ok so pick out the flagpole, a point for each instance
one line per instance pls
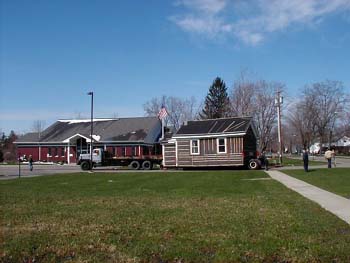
(162, 128)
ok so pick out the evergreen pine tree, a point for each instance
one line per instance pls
(217, 101)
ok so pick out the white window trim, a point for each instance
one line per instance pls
(217, 145)
(192, 153)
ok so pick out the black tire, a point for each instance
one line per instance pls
(135, 165)
(254, 164)
(85, 165)
(147, 165)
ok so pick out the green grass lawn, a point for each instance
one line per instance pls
(287, 161)
(215, 216)
(291, 161)
(335, 180)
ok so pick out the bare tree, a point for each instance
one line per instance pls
(242, 96)
(318, 113)
(256, 98)
(179, 110)
(329, 99)
(153, 106)
(302, 118)
(38, 127)
(265, 113)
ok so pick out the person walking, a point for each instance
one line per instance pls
(30, 161)
(264, 161)
(333, 157)
(328, 155)
(306, 160)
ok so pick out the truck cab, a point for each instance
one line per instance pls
(85, 159)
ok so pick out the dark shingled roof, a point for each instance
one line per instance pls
(140, 129)
(215, 126)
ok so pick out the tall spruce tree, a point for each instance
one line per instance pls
(217, 104)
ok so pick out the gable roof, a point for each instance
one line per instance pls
(138, 129)
(234, 125)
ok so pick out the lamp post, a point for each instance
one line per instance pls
(91, 93)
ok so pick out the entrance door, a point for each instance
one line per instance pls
(82, 147)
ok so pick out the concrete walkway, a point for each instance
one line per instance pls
(337, 205)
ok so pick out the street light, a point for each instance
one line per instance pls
(91, 93)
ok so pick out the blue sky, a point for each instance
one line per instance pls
(53, 52)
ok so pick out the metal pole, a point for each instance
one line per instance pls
(91, 126)
(19, 165)
(279, 102)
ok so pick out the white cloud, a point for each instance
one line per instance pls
(206, 6)
(252, 21)
(210, 26)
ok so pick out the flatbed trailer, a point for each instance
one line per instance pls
(102, 158)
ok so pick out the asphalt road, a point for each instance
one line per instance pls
(12, 171)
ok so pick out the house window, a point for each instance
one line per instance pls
(195, 147)
(113, 151)
(49, 151)
(62, 151)
(221, 145)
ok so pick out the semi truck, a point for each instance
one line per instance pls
(102, 158)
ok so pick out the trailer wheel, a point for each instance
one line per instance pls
(85, 165)
(147, 165)
(253, 164)
(135, 165)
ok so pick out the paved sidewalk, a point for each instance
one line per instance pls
(338, 205)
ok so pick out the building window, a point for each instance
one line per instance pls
(49, 151)
(62, 151)
(221, 145)
(123, 151)
(195, 147)
(113, 151)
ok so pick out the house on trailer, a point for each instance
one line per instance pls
(211, 143)
(65, 140)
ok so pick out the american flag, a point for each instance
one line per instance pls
(162, 113)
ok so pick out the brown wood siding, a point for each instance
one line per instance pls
(208, 146)
(208, 155)
(183, 152)
(235, 144)
(169, 155)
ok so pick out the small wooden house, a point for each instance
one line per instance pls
(211, 143)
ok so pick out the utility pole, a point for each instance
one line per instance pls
(278, 103)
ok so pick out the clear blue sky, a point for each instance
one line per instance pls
(53, 52)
